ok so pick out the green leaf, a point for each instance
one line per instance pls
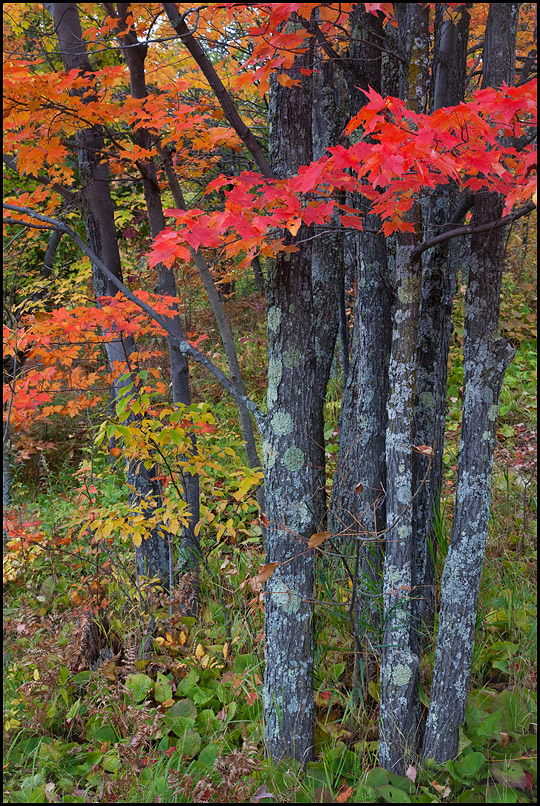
(139, 685)
(392, 794)
(467, 767)
(513, 712)
(183, 708)
(163, 688)
(209, 754)
(179, 724)
(499, 794)
(190, 743)
(510, 774)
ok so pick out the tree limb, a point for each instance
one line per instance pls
(470, 228)
(183, 345)
(227, 103)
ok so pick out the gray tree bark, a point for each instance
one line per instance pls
(327, 265)
(486, 358)
(400, 666)
(288, 452)
(439, 283)
(357, 510)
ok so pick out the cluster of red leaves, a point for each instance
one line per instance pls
(405, 154)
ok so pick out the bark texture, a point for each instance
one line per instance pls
(439, 283)
(400, 665)
(288, 453)
(486, 358)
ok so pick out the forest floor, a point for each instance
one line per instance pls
(184, 723)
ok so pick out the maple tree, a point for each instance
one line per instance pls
(365, 178)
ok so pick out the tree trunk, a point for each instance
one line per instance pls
(288, 452)
(153, 554)
(357, 508)
(439, 283)
(486, 358)
(327, 266)
(189, 549)
(400, 666)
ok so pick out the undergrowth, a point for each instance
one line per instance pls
(109, 701)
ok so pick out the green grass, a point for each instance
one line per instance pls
(138, 730)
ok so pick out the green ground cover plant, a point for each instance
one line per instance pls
(171, 710)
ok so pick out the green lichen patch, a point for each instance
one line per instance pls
(286, 598)
(408, 290)
(274, 318)
(293, 459)
(269, 455)
(401, 674)
(292, 357)
(275, 372)
(282, 423)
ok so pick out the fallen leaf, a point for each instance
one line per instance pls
(444, 791)
(411, 773)
(426, 450)
(344, 794)
(260, 794)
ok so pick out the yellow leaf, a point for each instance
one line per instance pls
(199, 652)
(137, 539)
(168, 703)
(225, 651)
(36, 674)
(205, 661)
(242, 490)
(182, 638)
(316, 539)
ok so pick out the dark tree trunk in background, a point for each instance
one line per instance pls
(98, 211)
(189, 549)
(439, 283)
(486, 358)
(357, 505)
(400, 666)
(327, 266)
(293, 504)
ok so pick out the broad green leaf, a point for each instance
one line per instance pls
(163, 688)
(139, 685)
